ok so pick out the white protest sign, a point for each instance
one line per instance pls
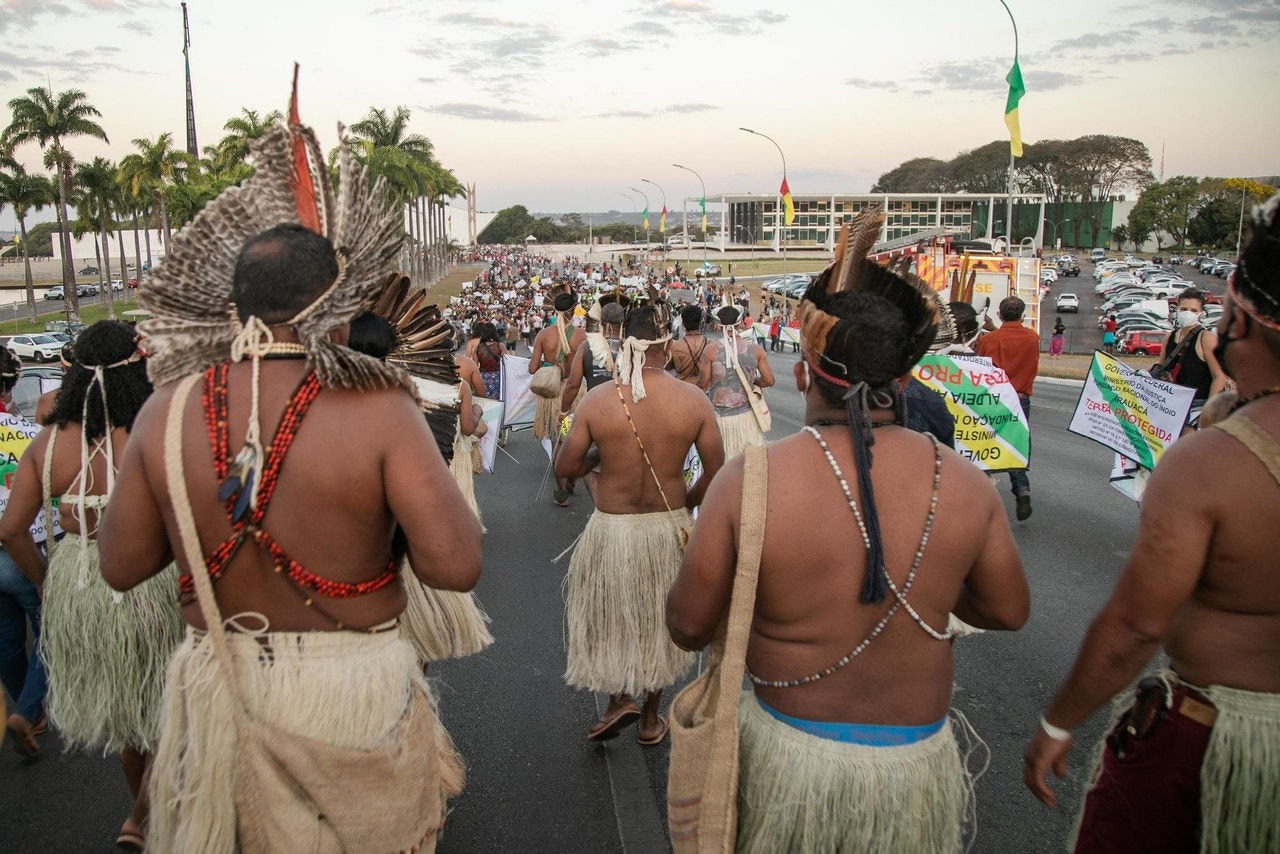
(16, 434)
(516, 396)
(1134, 415)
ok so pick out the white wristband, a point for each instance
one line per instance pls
(1057, 733)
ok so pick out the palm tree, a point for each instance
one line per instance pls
(27, 193)
(48, 120)
(406, 161)
(155, 167)
(244, 129)
(98, 183)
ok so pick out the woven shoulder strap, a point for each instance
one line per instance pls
(175, 476)
(1257, 440)
(733, 660)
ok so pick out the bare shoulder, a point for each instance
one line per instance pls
(1195, 462)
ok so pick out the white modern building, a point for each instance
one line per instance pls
(752, 219)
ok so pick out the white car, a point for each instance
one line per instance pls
(1048, 275)
(1067, 302)
(42, 348)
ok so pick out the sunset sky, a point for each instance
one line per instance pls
(561, 106)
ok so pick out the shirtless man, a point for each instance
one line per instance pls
(689, 354)
(594, 363)
(629, 552)
(1197, 768)
(389, 493)
(554, 346)
(828, 657)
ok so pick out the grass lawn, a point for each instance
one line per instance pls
(90, 312)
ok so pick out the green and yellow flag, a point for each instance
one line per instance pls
(646, 217)
(788, 205)
(1016, 91)
(703, 205)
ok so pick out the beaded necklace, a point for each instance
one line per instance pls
(1257, 395)
(899, 593)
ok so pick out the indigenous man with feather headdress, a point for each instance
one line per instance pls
(637, 430)
(1191, 763)
(845, 743)
(288, 485)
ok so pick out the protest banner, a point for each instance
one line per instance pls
(991, 430)
(492, 417)
(16, 434)
(517, 399)
(1133, 414)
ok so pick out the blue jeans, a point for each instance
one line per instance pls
(22, 673)
(1018, 479)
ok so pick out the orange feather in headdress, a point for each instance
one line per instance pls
(303, 183)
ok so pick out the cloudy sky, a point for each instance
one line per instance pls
(562, 106)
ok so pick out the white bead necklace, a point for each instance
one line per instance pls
(899, 593)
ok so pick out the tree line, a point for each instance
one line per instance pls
(514, 224)
(1087, 173)
(160, 187)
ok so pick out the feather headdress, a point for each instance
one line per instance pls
(194, 322)
(423, 349)
(825, 340)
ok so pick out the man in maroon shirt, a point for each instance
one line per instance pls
(1015, 349)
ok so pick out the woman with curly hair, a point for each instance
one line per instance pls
(105, 652)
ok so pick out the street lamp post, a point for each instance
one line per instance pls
(1057, 228)
(703, 210)
(628, 197)
(646, 224)
(780, 213)
(662, 223)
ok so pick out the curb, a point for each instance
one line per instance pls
(1061, 381)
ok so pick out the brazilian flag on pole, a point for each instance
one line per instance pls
(703, 205)
(1016, 91)
(646, 217)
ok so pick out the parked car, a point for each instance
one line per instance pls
(1148, 341)
(1097, 255)
(86, 290)
(1157, 259)
(117, 285)
(1048, 275)
(782, 284)
(34, 382)
(1067, 302)
(89, 271)
(55, 292)
(41, 348)
(706, 268)
(1175, 260)
(1068, 267)
(73, 328)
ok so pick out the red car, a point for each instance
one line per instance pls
(1149, 341)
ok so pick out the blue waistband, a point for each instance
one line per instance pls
(871, 735)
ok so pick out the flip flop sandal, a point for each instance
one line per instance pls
(655, 739)
(130, 838)
(621, 719)
(561, 497)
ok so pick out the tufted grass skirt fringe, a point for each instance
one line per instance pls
(738, 432)
(798, 792)
(615, 603)
(106, 652)
(463, 473)
(1240, 777)
(442, 624)
(345, 688)
(544, 416)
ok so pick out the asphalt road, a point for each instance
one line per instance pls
(535, 784)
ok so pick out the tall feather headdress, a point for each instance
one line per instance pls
(423, 349)
(194, 323)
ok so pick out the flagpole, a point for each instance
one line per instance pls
(781, 215)
(704, 211)
(646, 222)
(1008, 205)
(634, 239)
(662, 222)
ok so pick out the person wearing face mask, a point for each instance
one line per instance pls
(1188, 355)
(1191, 765)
